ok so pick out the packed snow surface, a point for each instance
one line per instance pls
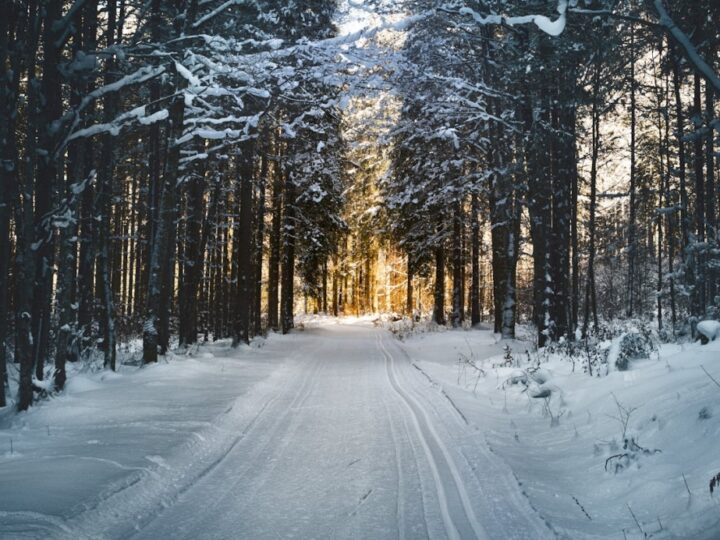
(343, 431)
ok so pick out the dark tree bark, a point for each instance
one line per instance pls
(4, 268)
(575, 263)
(66, 280)
(671, 218)
(275, 250)
(288, 257)
(324, 285)
(409, 288)
(194, 257)
(565, 164)
(539, 182)
(24, 214)
(335, 284)
(711, 221)
(438, 316)
(590, 290)
(680, 135)
(504, 235)
(662, 202)
(10, 23)
(699, 299)
(105, 176)
(458, 307)
(632, 225)
(475, 260)
(245, 285)
(160, 246)
(259, 245)
(46, 184)
(224, 271)
(87, 238)
(162, 257)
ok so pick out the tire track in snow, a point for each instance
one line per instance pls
(458, 516)
(24, 524)
(126, 511)
(400, 493)
(304, 391)
(513, 490)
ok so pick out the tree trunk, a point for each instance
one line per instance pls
(194, 256)
(9, 56)
(160, 245)
(632, 235)
(275, 250)
(87, 239)
(335, 284)
(260, 243)
(110, 106)
(575, 283)
(590, 292)
(699, 300)
(323, 300)
(439, 294)
(46, 185)
(475, 260)
(4, 268)
(409, 288)
(458, 311)
(565, 176)
(245, 283)
(710, 190)
(539, 185)
(287, 310)
(24, 222)
(162, 251)
(679, 116)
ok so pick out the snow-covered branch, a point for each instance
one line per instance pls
(690, 50)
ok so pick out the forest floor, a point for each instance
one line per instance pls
(340, 430)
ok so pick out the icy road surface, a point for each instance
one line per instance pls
(344, 439)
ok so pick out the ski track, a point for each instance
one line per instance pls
(124, 510)
(399, 506)
(505, 494)
(459, 519)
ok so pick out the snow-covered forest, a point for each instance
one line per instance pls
(518, 199)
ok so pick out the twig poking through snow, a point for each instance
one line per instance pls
(636, 520)
(581, 507)
(686, 485)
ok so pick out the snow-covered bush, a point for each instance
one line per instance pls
(615, 344)
(404, 327)
(533, 380)
(708, 331)
(631, 346)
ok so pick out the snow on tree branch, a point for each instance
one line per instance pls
(690, 50)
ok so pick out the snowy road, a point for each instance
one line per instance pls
(349, 439)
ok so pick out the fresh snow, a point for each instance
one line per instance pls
(340, 430)
(709, 329)
(561, 464)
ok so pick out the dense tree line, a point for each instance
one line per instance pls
(145, 145)
(182, 169)
(521, 123)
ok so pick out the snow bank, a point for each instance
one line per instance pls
(66, 455)
(627, 455)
